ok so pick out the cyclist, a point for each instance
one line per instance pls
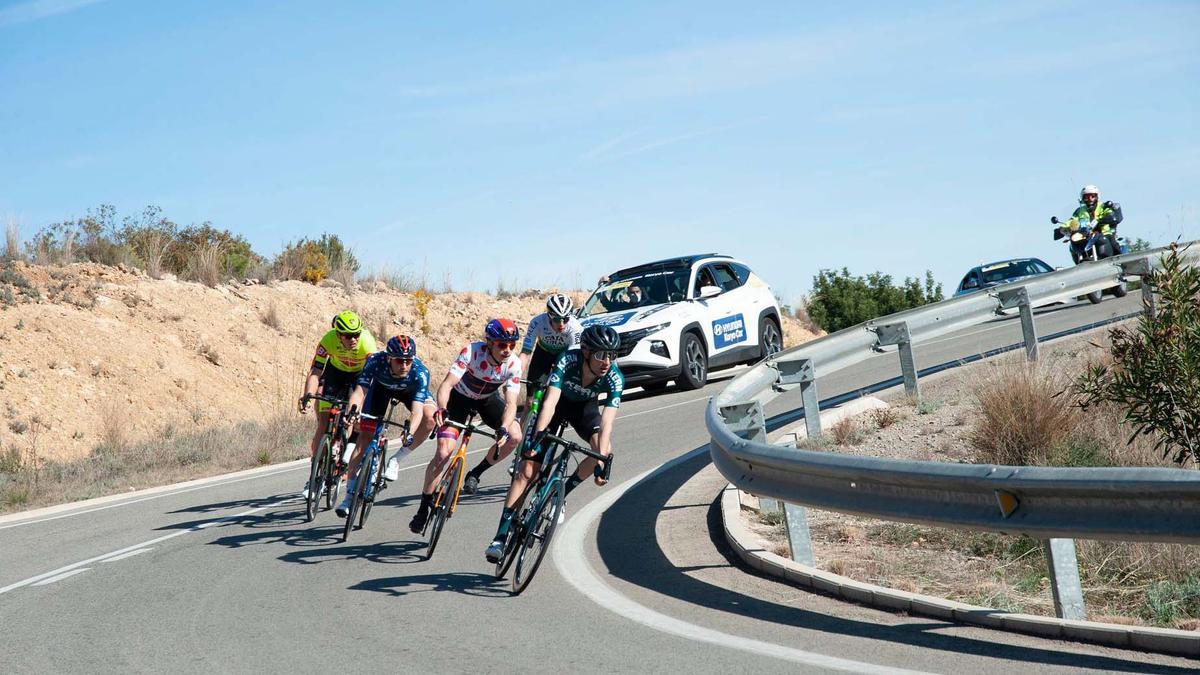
(1104, 216)
(340, 356)
(484, 379)
(576, 383)
(395, 373)
(549, 335)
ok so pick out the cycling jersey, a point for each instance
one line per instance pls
(377, 376)
(480, 377)
(541, 334)
(568, 377)
(330, 351)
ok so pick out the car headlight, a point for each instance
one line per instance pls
(635, 335)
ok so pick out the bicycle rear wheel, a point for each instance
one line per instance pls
(316, 480)
(536, 541)
(443, 498)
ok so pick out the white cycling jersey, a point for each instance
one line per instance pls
(479, 376)
(541, 333)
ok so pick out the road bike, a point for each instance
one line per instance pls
(449, 487)
(530, 419)
(529, 535)
(370, 480)
(327, 465)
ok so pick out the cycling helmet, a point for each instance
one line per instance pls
(402, 347)
(347, 322)
(1089, 190)
(599, 338)
(502, 329)
(559, 306)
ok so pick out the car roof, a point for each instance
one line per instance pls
(681, 261)
(1006, 262)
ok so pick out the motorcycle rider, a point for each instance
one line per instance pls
(1104, 216)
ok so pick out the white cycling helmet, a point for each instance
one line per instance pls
(559, 305)
(1089, 190)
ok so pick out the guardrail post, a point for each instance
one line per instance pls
(1064, 578)
(897, 334)
(1141, 269)
(1019, 297)
(804, 373)
(747, 421)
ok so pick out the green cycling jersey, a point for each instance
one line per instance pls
(330, 351)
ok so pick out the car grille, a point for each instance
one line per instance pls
(627, 345)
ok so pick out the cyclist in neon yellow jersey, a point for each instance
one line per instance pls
(340, 357)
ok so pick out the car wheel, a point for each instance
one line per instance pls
(693, 372)
(770, 340)
(1119, 290)
(1095, 297)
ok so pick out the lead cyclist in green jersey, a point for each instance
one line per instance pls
(578, 380)
(340, 356)
(549, 335)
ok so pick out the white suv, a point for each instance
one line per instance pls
(678, 318)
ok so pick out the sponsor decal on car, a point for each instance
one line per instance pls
(728, 331)
(608, 319)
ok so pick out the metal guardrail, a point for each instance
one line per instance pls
(1127, 504)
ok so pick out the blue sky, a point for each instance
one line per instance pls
(543, 143)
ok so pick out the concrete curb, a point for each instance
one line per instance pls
(86, 504)
(752, 550)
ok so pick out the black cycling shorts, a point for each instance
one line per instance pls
(583, 416)
(490, 409)
(336, 383)
(540, 365)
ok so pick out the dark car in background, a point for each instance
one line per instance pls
(1001, 272)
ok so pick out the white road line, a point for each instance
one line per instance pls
(128, 555)
(654, 410)
(60, 577)
(572, 563)
(112, 554)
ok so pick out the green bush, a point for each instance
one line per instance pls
(304, 260)
(336, 253)
(1154, 375)
(839, 300)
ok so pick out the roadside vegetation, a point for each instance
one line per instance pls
(119, 464)
(840, 300)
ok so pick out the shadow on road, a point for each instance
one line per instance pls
(629, 546)
(254, 503)
(468, 583)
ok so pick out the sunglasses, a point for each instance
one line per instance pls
(559, 319)
(504, 344)
(349, 336)
(400, 359)
(604, 355)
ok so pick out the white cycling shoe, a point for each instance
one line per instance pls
(392, 471)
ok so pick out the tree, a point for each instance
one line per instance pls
(839, 300)
(1155, 371)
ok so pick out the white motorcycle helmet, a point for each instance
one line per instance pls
(1089, 190)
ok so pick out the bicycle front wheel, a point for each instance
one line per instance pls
(443, 499)
(536, 541)
(316, 480)
(356, 498)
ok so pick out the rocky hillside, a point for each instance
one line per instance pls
(89, 351)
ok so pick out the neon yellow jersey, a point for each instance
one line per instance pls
(330, 351)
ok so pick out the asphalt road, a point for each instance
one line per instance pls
(228, 577)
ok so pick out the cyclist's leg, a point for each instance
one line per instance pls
(491, 411)
(421, 421)
(373, 406)
(585, 419)
(458, 409)
(528, 470)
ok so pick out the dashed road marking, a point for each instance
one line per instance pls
(60, 577)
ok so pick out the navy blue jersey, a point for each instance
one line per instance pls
(377, 374)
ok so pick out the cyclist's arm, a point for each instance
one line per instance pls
(313, 380)
(549, 403)
(444, 389)
(606, 425)
(511, 398)
(357, 396)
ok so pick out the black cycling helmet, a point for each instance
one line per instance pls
(402, 347)
(599, 338)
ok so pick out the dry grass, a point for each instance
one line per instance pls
(12, 241)
(847, 431)
(118, 465)
(885, 417)
(206, 263)
(270, 317)
(1023, 419)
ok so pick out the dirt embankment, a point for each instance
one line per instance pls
(101, 345)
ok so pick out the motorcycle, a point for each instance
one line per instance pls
(1086, 243)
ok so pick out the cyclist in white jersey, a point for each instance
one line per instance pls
(485, 379)
(549, 335)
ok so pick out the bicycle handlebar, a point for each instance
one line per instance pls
(469, 428)
(400, 425)
(340, 402)
(583, 449)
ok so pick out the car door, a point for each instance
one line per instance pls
(728, 326)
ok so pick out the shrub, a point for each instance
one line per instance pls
(303, 260)
(839, 300)
(846, 431)
(1154, 376)
(885, 417)
(1022, 418)
(12, 241)
(150, 237)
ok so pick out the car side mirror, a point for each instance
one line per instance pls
(1053, 220)
(709, 292)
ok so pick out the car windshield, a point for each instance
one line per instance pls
(1001, 272)
(638, 289)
